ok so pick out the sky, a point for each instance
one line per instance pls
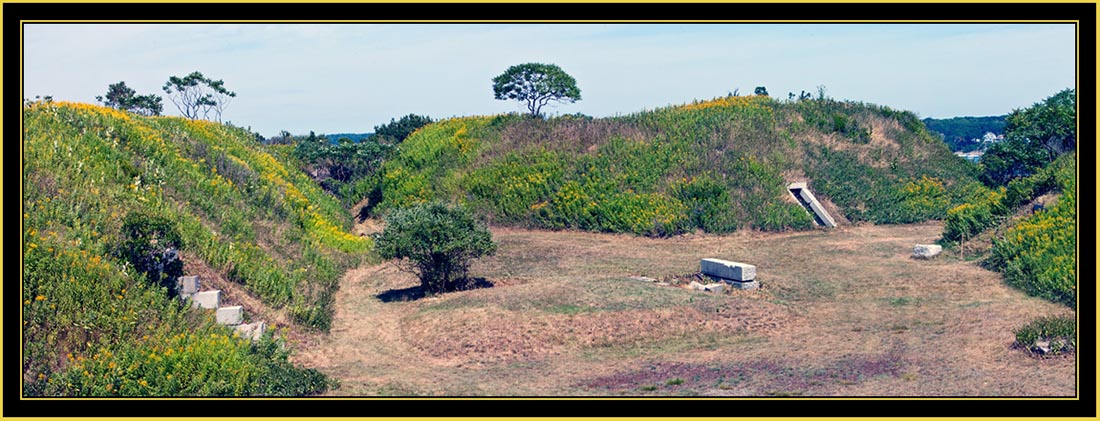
(349, 78)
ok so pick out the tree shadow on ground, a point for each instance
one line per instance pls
(417, 292)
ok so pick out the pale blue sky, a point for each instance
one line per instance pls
(333, 78)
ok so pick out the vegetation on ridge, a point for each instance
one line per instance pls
(715, 165)
(93, 325)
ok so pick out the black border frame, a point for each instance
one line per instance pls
(1083, 406)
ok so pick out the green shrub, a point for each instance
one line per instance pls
(515, 187)
(435, 241)
(1038, 255)
(708, 202)
(970, 219)
(920, 200)
(149, 243)
(1060, 332)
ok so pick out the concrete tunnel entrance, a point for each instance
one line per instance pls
(802, 194)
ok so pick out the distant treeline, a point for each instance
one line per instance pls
(958, 132)
(355, 137)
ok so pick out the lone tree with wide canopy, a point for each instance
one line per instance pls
(536, 84)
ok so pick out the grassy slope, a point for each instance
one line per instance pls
(90, 326)
(716, 165)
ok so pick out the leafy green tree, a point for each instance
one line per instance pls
(125, 98)
(196, 95)
(1050, 125)
(436, 242)
(536, 84)
(397, 131)
(1010, 159)
(1034, 136)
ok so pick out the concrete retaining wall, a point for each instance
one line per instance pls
(802, 193)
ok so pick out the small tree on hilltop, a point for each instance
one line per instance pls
(125, 98)
(760, 90)
(196, 95)
(397, 130)
(536, 84)
(436, 242)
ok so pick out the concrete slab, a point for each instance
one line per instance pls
(728, 270)
(233, 315)
(744, 285)
(209, 300)
(715, 288)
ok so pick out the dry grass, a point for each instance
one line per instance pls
(841, 312)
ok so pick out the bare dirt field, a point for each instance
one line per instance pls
(844, 312)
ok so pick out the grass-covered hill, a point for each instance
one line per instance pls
(97, 181)
(715, 165)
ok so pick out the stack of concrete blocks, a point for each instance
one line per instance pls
(188, 288)
(737, 275)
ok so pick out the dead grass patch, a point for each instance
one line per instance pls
(840, 312)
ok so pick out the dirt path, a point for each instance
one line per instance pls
(843, 312)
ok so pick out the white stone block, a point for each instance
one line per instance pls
(233, 315)
(726, 269)
(187, 285)
(715, 288)
(926, 251)
(252, 331)
(207, 299)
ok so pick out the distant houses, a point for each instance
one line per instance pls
(983, 144)
(990, 138)
(970, 156)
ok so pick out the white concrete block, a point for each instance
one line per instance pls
(207, 299)
(926, 251)
(252, 331)
(715, 288)
(728, 270)
(187, 285)
(233, 315)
